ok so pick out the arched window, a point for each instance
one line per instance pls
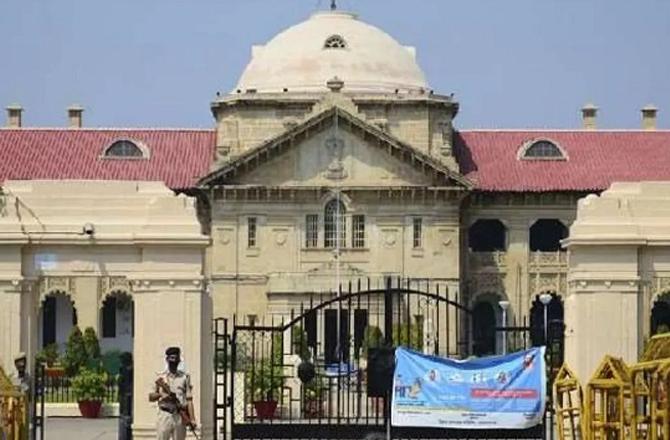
(335, 42)
(484, 329)
(487, 236)
(334, 225)
(542, 149)
(546, 235)
(124, 148)
(117, 322)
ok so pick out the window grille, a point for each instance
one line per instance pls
(251, 231)
(543, 150)
(335, 42)
(311, 230)
(358, 231)
(123, 148)
(417, 232)
(334, 225)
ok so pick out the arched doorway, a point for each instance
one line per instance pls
(57, 317)
(660, 314)
(117, 322)
(484, 328)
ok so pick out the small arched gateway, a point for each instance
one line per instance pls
(57, 316)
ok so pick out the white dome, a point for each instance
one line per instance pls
(298, 60)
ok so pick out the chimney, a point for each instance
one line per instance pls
(74, 113)
(589, 112)
(14, 116)
(649, 117)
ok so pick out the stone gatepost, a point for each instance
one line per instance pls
(619, 240)
(174, 312)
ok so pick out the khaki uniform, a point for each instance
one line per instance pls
(169, 425)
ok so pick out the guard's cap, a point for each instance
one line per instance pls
(20, 356)
(172, 350)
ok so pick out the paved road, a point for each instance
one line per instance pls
(61, 428)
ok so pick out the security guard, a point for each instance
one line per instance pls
(22, 383)
(172, 391)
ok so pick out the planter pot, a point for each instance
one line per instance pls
(90, 409)
(313, 408)
(265, 409)
(54, 371)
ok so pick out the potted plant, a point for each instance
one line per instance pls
(315, 390)
(265, 383)
(88, 387)
(49, 356)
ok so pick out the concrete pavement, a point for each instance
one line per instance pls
(62, 428)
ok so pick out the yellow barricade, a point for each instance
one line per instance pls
(13, 410)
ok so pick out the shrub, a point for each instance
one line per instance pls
(89, 385)
(409, 335)
(75, 352)
(91, 344)
(299, 343)
(372, 338)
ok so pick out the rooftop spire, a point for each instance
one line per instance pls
(333, 5)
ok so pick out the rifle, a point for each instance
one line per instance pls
(183, 410)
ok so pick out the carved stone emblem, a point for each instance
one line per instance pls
(335, 148)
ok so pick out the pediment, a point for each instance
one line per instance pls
(334, 148)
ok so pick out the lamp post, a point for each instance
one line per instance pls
(545, 299)
(504, 305)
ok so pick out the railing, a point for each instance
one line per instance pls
(488, 259)
(548, 259)
(58, 388)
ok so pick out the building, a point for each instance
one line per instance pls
(331, 160)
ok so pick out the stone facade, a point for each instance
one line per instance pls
(134, 237)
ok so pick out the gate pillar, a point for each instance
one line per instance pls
(172, 313)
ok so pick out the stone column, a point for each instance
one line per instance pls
(172, 313)
(87, 304)
(11, 323)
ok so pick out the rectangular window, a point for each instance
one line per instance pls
(417, 232)
(251, 231)
(358, 231)
(360, 324)
(336, 348)
(109, 318)
(311, 230)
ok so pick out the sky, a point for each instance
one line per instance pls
(509, 63)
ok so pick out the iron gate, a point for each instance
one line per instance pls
(326, 341)
(37, 403)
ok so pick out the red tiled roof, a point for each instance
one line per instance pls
(595, 159)
(177, 157)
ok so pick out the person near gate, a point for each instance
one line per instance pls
(22, 383)
(172, 391)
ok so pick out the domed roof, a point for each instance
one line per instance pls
(334, 43)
